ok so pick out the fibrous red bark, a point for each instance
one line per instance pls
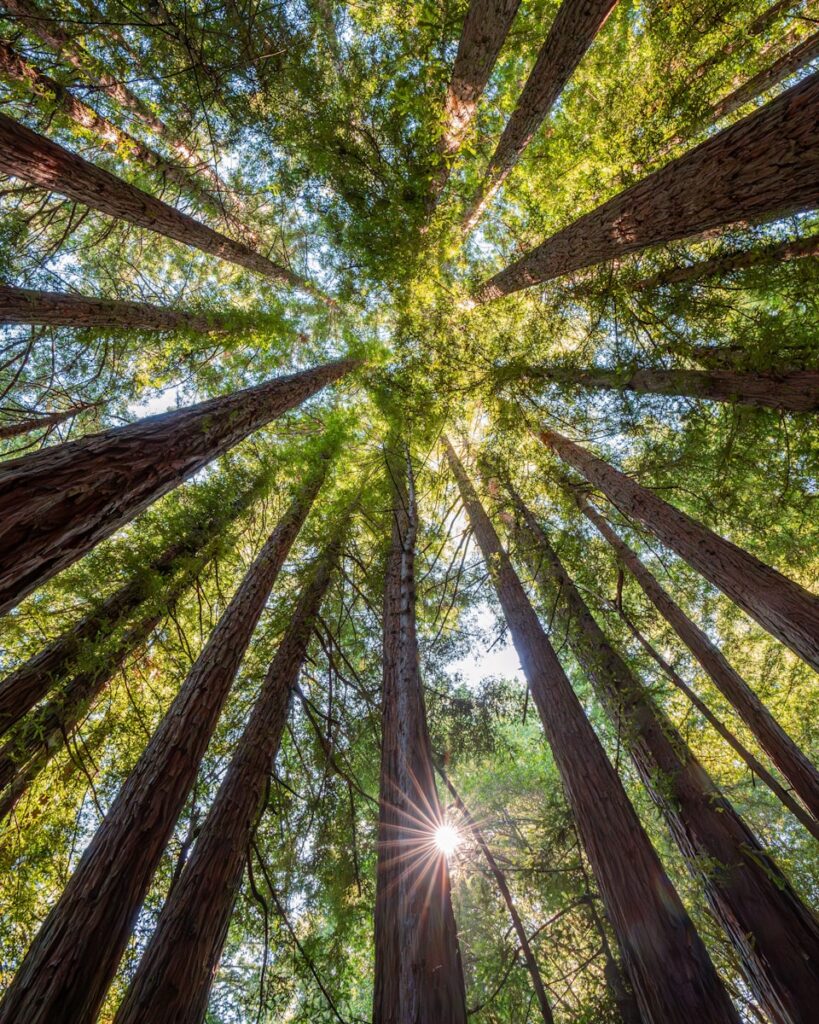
(40, 422)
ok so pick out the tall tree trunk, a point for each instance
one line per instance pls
(41, 421)
(753, 763)
(778, 604)
(56, 504)
(503, 888)
(775, 935)
(418, 973)
(174, 976)
(797, 391)
(63, 309)
(765, 166)
(31, 157)
(773, 739)
(75, 955)
(573, 30)
(673, 978)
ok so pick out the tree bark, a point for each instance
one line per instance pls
(775, 936)
(762, 167)
(56, 504)
(41, 421)
(73, 959)
(773, 739)
(672, 976)
(174, 976)
(418, 973)
(573, 30)
(33, 158)
(63, 309)
(778, 604)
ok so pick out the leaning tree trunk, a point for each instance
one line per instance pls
(573, 30)
(777, 744)
(56, 504)
(775, 936)
(418, 973)
(41, 422)
(62, 309)
(174, 976)
(778, 604)
(31, 157)
(765, 166)
(672, 976)
(72, 961)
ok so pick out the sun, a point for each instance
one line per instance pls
(447, 839)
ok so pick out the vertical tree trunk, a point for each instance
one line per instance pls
(773, 739)
(418, 973)
(41, 421)
(775, 935)
(573, 30)
(33, 158)
(673, 978)
(778, 604)
(174, 976)
(765, 166)
(75, 955)
(56, 504)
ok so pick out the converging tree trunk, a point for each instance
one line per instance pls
(75, 955)
(418, 973)
(56, 504)
(778, 604)
(776, 937)
(43, 421)
(765, 166)
(174, 976)
(573, 30)
(673, 978)
(777, 744)
(33, 158)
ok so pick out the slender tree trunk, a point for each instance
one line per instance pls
(62, 309)
(744, 259)
(33, 158)
(775, 935)
(418, 973)
(753, 763)
(778, 604)
(56, 504)
(72, 961)
(573, 30)
(797, 391)
(41, 421)
(762, 167)
(503, 887)
(773, 739)
(174, 976)
(673, 978)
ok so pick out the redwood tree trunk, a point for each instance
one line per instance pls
(775, 936)
(765, 166)
(31, 157)
(785, 609)
(72, 961)
(418, 973)
(673, 978)
(56, 504)
(773, 739)
(41, 422)
(573, 30)
(174, 976)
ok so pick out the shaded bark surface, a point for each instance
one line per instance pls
(672, 976)
(42, 422)
(765, 166)
(62, 309)
(576, 24)
(73, 959)
(33, 158)
(778, 604)
(775, 936)
(174, 976)
(56, 504)
(418, 973)
(777, 744)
